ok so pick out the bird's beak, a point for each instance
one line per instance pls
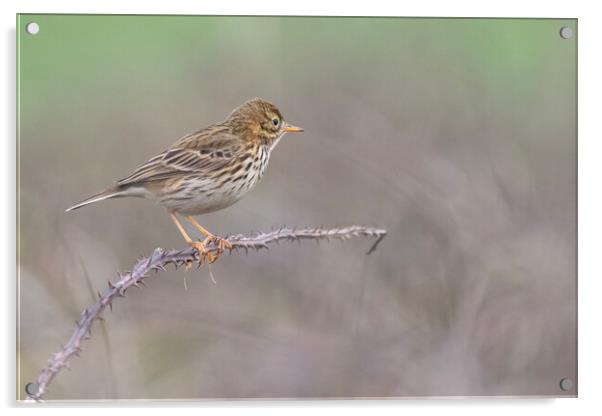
(292, 129)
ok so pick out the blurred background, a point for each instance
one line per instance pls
(457, 135)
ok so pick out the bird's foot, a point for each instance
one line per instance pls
(220, 243)
(203, 252)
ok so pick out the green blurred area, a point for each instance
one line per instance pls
(457, 135)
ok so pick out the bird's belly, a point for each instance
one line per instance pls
(202, 204)
(196, 201)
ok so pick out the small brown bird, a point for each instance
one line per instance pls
(207, 170)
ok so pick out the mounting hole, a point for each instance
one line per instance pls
(566, 32)
(32, 388)
(566, 384)
(32, 28)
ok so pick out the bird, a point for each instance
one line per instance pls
(207, 170)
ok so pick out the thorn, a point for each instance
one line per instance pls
(376, 243)
(111, 306)
(111, 285)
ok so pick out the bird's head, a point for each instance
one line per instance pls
(259, 120)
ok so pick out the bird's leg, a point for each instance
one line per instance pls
(197, 245)
(221, 242)
(199, 227)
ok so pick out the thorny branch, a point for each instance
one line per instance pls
(158, 261)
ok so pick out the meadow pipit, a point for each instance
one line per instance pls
(207, 170)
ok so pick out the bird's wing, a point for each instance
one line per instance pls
(201, 152)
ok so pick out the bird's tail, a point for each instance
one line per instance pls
(114, 192)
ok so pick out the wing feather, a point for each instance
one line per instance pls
(201, 152)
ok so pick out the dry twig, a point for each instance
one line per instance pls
(158, 261)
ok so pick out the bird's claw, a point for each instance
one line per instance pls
(188, 265)
(203, 253)
(220, 244)
(201, 247)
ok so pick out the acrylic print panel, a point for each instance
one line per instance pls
(456, 137)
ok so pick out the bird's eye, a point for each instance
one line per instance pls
(275, 121)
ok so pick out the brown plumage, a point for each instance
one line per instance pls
(209, 169)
